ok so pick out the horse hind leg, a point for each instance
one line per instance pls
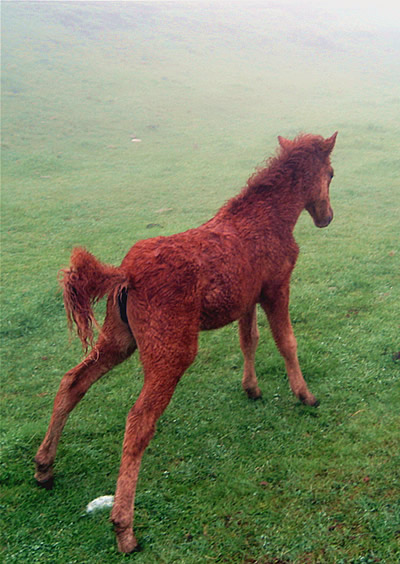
(164, 360)
(248, 333)
(114, 345)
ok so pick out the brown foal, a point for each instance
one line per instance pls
(168, 289)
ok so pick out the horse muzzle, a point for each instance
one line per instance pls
(323, 222)
(321, 217)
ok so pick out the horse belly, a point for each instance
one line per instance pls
(214, 319)
(223, 304)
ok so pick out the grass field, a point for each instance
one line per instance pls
(206, 88)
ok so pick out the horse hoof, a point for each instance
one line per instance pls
(127, 542)
(312, 402)
(309, 400)
(128, 547)
(44, 476)
(46, 484)
(253, 393)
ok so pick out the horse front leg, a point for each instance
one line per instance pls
(115, 344)
(163, 367)
(276, 306)
(249, 335)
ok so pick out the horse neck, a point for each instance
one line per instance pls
(280, 203)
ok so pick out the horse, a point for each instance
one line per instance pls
(168, 289)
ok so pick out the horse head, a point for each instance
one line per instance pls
(318, 203)
(316, 171)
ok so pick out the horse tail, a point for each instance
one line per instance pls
(86, 281)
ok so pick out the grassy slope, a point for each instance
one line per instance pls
(207, 89)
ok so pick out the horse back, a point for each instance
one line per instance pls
(212, 272)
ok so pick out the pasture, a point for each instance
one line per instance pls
(123, 121)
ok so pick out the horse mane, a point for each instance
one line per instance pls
(269, 176)
(287, 159)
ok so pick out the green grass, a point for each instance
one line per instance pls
(207, 88)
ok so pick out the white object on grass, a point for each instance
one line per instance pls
(102, 502)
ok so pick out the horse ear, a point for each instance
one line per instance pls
(328, 144)
(284, 143)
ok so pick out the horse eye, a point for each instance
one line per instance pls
(331, 174)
